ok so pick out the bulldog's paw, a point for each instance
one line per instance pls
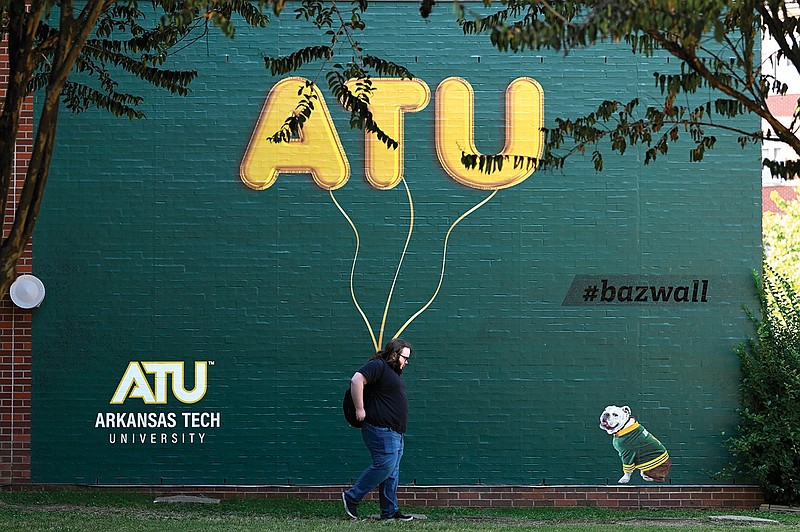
(648, 479)
(625, 479)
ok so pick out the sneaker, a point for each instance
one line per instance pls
(399, 517)
(350, 507)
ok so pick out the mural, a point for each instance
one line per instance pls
(209, 293)
(637, 448)
(319, 151)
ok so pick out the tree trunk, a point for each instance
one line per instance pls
(72, 38)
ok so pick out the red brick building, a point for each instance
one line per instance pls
(15, 326)
(15, 421)
(783, 107)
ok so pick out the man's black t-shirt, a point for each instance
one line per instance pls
(384, 396)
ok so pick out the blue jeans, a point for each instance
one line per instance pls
(386, 448)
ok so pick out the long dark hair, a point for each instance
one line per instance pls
(391, 352)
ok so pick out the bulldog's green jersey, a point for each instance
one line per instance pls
(639, 449)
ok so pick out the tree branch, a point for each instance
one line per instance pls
(696, 64)
(73, 36)
(22, 29)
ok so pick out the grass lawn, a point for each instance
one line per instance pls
(99, 510)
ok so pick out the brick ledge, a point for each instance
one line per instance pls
(622, 497)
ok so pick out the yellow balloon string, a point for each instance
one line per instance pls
(352, 271)
(400, 263)
(444, 260)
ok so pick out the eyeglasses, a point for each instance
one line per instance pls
(403, 357)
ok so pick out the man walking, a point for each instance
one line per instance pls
(379, 395)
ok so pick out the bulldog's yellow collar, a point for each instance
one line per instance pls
(626, 430)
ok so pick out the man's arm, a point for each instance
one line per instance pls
(357, 383)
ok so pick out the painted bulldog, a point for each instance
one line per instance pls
(637, 448)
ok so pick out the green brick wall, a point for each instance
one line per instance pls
(152, 249)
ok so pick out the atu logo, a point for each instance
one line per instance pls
(135, 384)
(318, 149)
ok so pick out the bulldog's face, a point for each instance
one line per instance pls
(614, 418)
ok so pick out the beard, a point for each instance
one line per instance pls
(395, 365)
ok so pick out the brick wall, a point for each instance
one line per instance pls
(15, 412)
(630, 497)
(15, 326)
(129, 324)
(787, 191)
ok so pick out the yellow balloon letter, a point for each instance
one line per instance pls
(318, 151)
(389, 100)
(455, 131)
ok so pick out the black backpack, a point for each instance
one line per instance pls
(349, 409)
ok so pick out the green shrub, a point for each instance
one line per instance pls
(768, 445)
